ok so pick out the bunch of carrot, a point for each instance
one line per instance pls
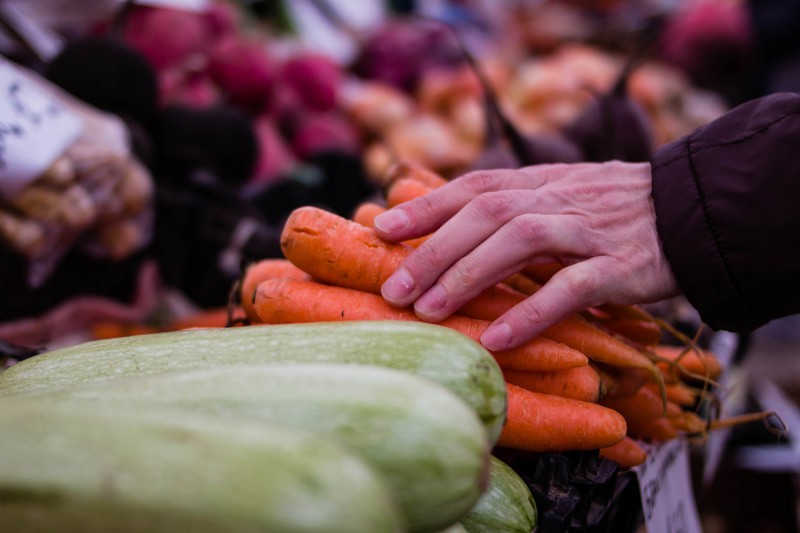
(597, 380)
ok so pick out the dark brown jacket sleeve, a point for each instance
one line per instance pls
(727, 201)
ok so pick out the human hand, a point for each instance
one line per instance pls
(597, 219)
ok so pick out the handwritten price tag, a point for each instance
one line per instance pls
(35, 128)
(665, 487)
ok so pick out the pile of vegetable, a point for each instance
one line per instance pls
(602, 379)
(408, 93)
(364, 426)
(327, 409)
(443, 123)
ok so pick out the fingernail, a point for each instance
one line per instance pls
(391, 220)
(497, 336)
(432, 301)
(398, 286)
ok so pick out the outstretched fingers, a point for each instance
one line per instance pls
(522, 240)
(572, 290)
(426, 214)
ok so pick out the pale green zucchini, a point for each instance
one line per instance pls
(455, 528)
(436, 352)
(427, 442)
(103, 470)
(507, 506)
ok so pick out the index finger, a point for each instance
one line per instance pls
(424, 215)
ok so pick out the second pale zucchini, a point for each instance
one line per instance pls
(427, 442)
(105, 468)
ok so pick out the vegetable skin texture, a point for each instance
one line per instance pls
(426, 443)
(366, 212)
(582, 383)
(435, 352)
(548, 423)
(258, 272)
(404, 190)
(338, 251)
(627, 453)
(101, 469)
(507, 505)
(644, 404)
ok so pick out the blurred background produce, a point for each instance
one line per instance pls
(242, 111)
(207, 122)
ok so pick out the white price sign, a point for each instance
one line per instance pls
(665, 487)
(35, 128)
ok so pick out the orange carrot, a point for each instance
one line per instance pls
(627, 453)
(408, 170)
(689, 422)
(348, 254)
(573, 331)
(616, 311)
(260, 271)
(621, 382)
(679, 393)
(542, 273)
(546, 423)
(653, 430)
(704, 364)
(644, 404)
(599, 346)
(290, 301)
(492, 302)
(404, 190)
(537, 355)
(582, 383)
(522, 283)
(339, 251)
(366, 212)
(644, 332)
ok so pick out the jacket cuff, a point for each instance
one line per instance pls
(689, 242)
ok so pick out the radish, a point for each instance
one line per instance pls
(324, 132)
(223, 17)
(244, 70)
(315, 78)
(165, 36)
